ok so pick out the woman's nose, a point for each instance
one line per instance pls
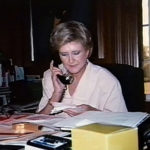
(71, 59)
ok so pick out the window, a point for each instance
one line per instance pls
(146, 39)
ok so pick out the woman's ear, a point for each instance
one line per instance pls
(89, 52)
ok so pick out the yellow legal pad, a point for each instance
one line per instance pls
(104, 137)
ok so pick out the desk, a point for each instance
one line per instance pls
(22, 139)
(19, 138)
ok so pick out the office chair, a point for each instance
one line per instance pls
(132, 83)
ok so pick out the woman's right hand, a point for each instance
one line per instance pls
(58, 85)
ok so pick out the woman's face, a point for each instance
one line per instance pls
(74, 57)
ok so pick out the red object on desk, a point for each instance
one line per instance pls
(3, 118)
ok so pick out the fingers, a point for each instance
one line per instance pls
(51, 64)
(70, 112)
(86, 107)
(54, 69)
(83, 106)
(58, 85)
(74, 111)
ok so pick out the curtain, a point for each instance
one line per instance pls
(119, 31)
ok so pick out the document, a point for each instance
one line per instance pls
(129, 119)
(41, 120)
(61, 106)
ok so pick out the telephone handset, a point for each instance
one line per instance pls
(65, 78)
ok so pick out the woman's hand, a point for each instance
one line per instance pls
(58, 85)
(79, 110)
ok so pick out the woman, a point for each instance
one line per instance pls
(93, 87)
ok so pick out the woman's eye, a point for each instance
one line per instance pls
(63, 54)
(76, 53)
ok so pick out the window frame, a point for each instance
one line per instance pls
(146, 59)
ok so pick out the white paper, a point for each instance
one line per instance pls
(129, 119)
(41, 119)
(61, 106)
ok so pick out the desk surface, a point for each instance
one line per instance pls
(10, 135)
(15, 138)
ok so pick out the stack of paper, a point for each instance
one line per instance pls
(41, 120)
(129, 119)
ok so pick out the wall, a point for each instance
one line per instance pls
(14, 29)
(119, 34)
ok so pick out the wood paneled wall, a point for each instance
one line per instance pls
(119, 25)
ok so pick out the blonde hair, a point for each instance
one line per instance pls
(71, 31)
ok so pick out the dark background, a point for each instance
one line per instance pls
(116, 27)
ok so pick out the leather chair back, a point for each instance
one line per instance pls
(132, 83)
